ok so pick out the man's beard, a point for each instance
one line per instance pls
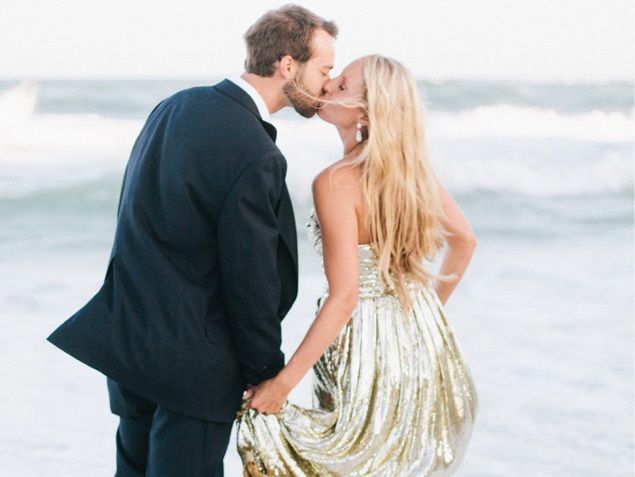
(303, 105)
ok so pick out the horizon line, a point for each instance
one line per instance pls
(430, 79)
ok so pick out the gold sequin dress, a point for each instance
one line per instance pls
(392, 396)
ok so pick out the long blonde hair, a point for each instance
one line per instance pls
(398, 182)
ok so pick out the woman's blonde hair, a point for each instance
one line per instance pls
(398, 182)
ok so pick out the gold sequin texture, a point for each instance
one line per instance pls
(392, 396)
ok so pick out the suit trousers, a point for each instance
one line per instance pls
(156, 442)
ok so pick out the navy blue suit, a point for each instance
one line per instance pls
(204, 263)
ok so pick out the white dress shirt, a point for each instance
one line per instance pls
(255, 95)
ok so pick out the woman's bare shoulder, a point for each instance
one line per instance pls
(342, 177)
(337, 191)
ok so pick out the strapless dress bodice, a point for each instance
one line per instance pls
(370, 283)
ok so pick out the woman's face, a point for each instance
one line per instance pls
(349, 85)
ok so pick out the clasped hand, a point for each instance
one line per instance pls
(268, 397)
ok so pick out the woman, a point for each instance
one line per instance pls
(392, 394)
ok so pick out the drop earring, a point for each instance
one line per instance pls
(358, 134)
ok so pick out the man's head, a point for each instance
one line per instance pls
(296, 46)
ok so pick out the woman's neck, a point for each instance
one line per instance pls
(347, 135)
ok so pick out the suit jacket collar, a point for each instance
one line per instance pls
(239, 95)
(254, 94)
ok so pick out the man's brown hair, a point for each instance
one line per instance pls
(285, 31)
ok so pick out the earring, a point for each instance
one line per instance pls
(358, 134)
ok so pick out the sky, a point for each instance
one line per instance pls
(535, 40)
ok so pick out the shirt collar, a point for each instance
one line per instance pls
(253, 93)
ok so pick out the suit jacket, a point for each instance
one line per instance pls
(204, 263)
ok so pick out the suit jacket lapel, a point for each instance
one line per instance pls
(239, 95)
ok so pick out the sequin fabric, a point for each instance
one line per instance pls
(392, 396)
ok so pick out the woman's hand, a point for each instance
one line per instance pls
(268, 397)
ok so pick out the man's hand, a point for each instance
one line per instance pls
(249, 392)
(268, 397)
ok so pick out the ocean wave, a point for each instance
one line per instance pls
(503, 120)
(611, 175)
(43, 151)
(608, 173)
(549, 168)
(500, 213)
(25, 127)
(17, 103)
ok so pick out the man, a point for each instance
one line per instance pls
(204, 262)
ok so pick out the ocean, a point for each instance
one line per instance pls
(543, 315)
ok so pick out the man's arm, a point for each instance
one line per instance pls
(248, 238)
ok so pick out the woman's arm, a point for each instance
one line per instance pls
(334, 204)
(460, 245)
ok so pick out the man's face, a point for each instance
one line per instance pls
(312, 76)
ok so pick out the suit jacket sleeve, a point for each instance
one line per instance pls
(248, 236)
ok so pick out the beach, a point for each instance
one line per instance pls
(543, 315)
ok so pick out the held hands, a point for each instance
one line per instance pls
(268, 397)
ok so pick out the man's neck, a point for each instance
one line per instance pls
(270, 89)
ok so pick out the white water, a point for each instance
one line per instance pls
(56, 150)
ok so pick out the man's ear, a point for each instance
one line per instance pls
(287, 66)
